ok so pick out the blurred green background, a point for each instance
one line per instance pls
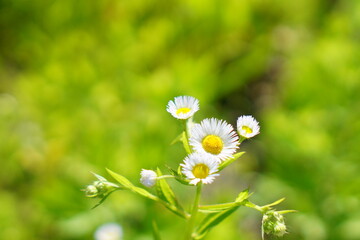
(84, 86)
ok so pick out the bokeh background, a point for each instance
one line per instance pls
(84, 86)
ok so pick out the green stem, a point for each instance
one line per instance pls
(165, 176)
(194, 212)
(187, 135)
(241, 139)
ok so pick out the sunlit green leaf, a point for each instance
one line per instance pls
(287, 211)
(166, 193)
(240, 200)
(185, 143)
(104, 198)
(220, 212)
(100, 178)
(179, 176)
(230, 160)
(211, 221)
(177, 139)
(275, 203)
(127, 184)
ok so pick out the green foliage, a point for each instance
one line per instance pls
(222, 212)
(230, 160)
(128, 185)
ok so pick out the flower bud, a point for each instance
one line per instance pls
(99, 188)
(148, 178)
(273, 224)
(91, 191)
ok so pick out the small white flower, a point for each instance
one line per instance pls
(247, 126)
(148, 178)
(215, 137)
(199, 167)
(183, 107)
(109, 231)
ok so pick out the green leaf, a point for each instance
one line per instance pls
(185, 143)
(230, 160)
(213, 219)
(164, 190)
(240, 200)
(182, 138)
(287, 211)
(177, 139)
(165, 193)
(104, 198)
(244, 195)
(275, 203)
(218, 207)
(128, 185)
(100, 178)
(156, 231)
(179, 176)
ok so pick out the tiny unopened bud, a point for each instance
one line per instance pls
(99, 188)
(273, 224)
(148, 178)
(91, 191)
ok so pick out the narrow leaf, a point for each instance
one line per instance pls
(240, 200)
(179, 176)
(218, 207)
(100, 178)
(185, 143)
(287, 211)
(166, 193)
(275, 203)
(127, 184)
(243, 196)
(104, 198)
(211, 221)
(177, 139)
(226, 209)
(164, 190)
(230, 160)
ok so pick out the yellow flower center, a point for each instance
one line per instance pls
(247, 129)
(201, 171)
(182, 110)
(212, 144)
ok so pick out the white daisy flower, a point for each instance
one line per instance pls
(199, 167)
(148, 178)
(109, 231)
(215, 137)
(183, 107)
(247, 126)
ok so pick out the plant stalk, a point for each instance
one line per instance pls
(194, 212)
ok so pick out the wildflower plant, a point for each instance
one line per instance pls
(211, 145)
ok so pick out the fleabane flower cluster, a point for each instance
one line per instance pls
(211, 145)
(211, 142)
